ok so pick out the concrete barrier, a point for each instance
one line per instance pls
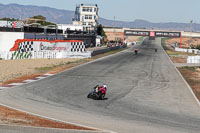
(195, 51)
(193, 59)
(102, 51)
(14, 55)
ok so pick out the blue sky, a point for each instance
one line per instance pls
(129, 10)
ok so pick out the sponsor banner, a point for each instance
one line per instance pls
(56, 46)
(167, 34)
(151, 33)
(136, 33)
(26, 45)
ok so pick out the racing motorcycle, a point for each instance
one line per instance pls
(136, 51)
(100, 95)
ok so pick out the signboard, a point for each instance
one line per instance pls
(136, 33)
(152, 33)
(167, 34)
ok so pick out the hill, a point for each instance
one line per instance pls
(65, 17)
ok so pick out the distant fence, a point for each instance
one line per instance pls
(195, 51)
(193, 59)
(13, 55)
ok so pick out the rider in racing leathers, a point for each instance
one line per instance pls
(100, 88)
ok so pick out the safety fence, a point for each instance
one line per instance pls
(13, 55)
(195, 51)
(193, 59)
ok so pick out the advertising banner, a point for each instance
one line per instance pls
(167, 34)
(152, 33)
(136, 33)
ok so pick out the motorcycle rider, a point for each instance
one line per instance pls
(136, 50)
(100, 88)
(98, 92)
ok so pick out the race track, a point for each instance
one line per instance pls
(145, 94)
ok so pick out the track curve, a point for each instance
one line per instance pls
(146, 94)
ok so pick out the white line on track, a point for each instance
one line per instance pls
(40, 77)
(2, 88)
(29, 80)
(48, 74)
(16, 84)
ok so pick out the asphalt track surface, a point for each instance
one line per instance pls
(146, 94)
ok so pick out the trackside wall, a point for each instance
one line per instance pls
(7, 39)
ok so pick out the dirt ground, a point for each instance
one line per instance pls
(119, 36)
(11, 69)
(9, 116)
(192, 76)
(186, 42)
(178, 59)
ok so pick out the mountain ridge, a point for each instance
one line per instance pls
(61, 16)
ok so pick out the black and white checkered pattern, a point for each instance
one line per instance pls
(77, 47)
(25, 47)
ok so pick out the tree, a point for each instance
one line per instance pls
(9, 19)
(100, 31)
(39, 17)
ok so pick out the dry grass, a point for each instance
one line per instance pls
(178, 59)
(186, 42)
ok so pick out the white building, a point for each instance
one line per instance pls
(86, 15)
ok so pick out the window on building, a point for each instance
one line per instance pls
(84, 9)
(90, 16)
(86, 16)
(84, 23)
(87, 9)
(95, 9)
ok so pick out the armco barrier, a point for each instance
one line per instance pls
(193, 59)
(195, 51)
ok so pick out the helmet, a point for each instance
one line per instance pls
(105, 86)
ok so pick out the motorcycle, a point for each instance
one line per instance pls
(100, 95)
(136, 51)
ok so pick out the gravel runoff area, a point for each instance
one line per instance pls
(11, 69)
